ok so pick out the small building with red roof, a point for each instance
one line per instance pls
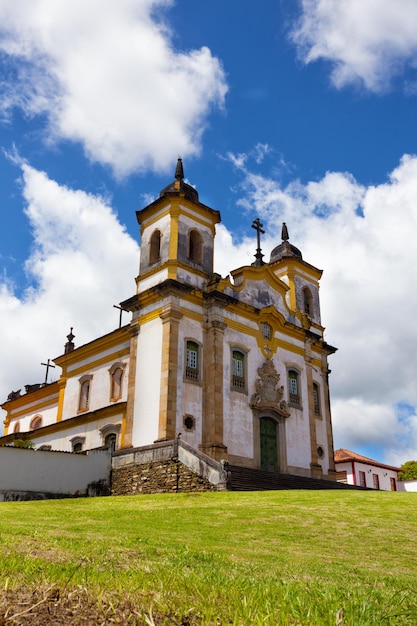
(355, 469)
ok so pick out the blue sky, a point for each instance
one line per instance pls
(296, 111)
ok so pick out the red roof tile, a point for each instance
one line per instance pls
(342, 455)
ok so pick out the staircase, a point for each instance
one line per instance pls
(249, 479)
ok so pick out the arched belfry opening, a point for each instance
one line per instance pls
(195, 247)
(155, 247)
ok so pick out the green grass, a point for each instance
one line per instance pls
(286, 557)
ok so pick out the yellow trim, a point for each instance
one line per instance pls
(87, 367)
(192, 315)
(33, 398)
(173, 232)
(105, 343)
(28, 410)
(62, 384)
(171, 266)
(297, 266)
(162, 206)
(149, 317)
(85, 418)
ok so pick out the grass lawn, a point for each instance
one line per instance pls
(284, 557)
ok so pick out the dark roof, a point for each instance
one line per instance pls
(178, 186)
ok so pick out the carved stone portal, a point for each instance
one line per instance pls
(268, 395)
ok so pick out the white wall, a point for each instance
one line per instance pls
(25, 470)
(407, 485)
(384, 474)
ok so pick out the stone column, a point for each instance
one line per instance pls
(328, 416)
(315, 467)
(212, 431)
(170, 317)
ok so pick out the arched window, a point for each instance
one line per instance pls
(192, 361)
(195, 247)
(110, 441)
(36, 422)
(308, 302)
(155, 247)
(116, 380)
(77, 444)
(294, 387)
(109, 434)
(238, 370)
(316, 399)
(85, 389)
(16, 427)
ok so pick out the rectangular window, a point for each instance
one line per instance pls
(294, 396)
(341, 477)
(191, 361)
(266, 331)
(375, 480)
(238, 370)
(316, 399)
(362, 479)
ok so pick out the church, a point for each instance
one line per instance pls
(237, 365)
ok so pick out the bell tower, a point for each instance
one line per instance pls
(177, 236)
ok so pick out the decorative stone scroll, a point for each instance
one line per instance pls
(268, 395)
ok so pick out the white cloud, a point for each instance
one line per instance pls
(79, 266)
(368, 289)
(367, 41)
(107, 75)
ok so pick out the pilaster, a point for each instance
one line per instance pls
(61, 394)
(212, 431)
(328, 416)
(315, 466)
(170, 317)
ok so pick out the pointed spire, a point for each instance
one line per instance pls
(179, 171)
(284, 232)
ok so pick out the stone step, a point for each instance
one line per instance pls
(250, 479)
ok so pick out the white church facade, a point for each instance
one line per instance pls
(237, 365)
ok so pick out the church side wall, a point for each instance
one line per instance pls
(147, 389)
(238, 423)
(25, 415)
(88, 432)
(189, 393)
(97, 366)
(297, 425)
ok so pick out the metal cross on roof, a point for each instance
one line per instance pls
(47, 365)
(256, 224)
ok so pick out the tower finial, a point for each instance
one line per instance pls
(69, 346)
(284, 232)
(179, 171)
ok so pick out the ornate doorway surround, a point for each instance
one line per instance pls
(270, 412)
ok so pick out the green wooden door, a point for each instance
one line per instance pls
(269, 444)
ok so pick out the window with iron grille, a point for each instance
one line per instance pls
(266, 331)
(238, 370)
(191, 361)
(316, 399)
(293, 386)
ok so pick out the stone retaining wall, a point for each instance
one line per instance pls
(157, 477)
